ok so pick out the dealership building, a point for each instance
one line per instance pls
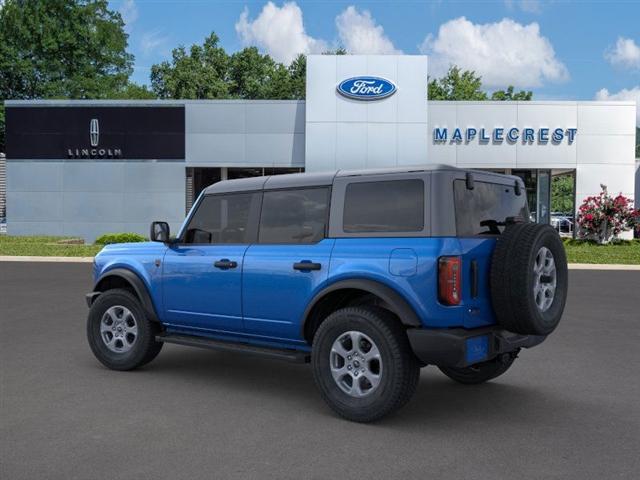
(84, 168)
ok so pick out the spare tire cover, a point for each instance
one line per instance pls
(529, 279)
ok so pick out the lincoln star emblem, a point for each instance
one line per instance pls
(94, 132)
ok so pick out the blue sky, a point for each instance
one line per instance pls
(561, 50)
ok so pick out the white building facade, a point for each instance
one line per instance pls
(83, 168)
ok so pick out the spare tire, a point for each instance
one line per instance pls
(529, 279)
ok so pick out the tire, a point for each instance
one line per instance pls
(481, 372)
(111, 333)
(389, 355)
(529, 279)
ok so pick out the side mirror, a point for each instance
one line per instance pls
(159, 232)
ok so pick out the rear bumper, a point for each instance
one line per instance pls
(458, 347)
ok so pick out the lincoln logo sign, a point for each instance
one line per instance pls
(510, 135)
(94, 132)
(366, 88)
(94, 151)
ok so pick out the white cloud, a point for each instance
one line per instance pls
(151, 41)
(504, 53)
(632, 94)
(626, 53)
(360, 34)
(129, 13)
(278, 31)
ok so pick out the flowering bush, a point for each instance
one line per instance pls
(604, 217)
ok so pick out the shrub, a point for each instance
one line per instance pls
(604, 217)
(109, 238)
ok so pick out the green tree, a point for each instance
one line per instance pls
(201, 73)
(510, 95)
(457, 85)
(208, 72)
(256, 76)
(562, 193)
(61, 49)
(298, 74)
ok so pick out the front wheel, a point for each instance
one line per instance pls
(363, 364)
(481, 372)
(120, 334)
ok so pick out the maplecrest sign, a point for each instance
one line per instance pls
(526, 136)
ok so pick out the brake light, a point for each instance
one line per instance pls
(449, 273)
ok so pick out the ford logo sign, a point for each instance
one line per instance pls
(366, 88)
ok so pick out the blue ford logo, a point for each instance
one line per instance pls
(366, 88)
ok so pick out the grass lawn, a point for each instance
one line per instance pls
(579, 251)
(45, 246)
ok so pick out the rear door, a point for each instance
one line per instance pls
(476, 209)
(289, 261)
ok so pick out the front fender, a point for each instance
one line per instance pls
(133, 279)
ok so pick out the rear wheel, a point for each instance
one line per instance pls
(120, 334)
(481, 372)
(363, 364)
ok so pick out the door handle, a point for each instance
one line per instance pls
(225, 264)
(306, 265)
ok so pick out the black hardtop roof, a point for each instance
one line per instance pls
(291, 180)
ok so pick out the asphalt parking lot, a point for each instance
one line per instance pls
(567, 409)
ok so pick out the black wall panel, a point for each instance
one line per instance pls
(144, 132)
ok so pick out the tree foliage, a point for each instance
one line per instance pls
(207, 72)
(510, 95)
(562, 193)
(458, 84)
(63, 49)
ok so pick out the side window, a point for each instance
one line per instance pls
(294, 216)
(223, 219)
(487, 202)
(385, 206)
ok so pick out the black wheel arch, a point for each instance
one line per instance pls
(392, 300)
(123, 277)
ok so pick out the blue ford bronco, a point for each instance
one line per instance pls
(368, 275)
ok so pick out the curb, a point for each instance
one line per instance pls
(572, 266)
(602, 266)
(9, 258)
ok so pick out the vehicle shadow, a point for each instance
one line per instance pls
(438, 401)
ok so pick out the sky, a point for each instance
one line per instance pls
(561, 50)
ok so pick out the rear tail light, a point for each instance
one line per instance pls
(449, 273)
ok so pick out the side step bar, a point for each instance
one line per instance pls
(293, 356)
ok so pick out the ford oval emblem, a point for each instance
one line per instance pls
(366, 88)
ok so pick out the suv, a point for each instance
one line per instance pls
(368, 275)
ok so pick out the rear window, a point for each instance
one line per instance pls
(487, 201)
(388, 206)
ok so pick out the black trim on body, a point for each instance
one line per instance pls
(446, 347)
(393, 299)
(135, 281)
